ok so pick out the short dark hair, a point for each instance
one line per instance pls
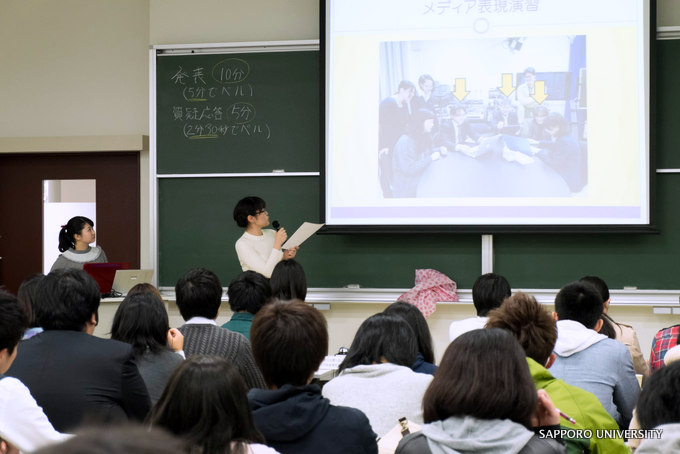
(416, 320)
(659, 401)
(12, 321)
(198, 294)
(249, 291)
(124, 439)
(489, 291)
(599, 284)
(579, 301)
(288, 281)
(424, 78)
(68, 232)
(247, 206)
(26, 297)
(529, 323)
(66, 298)
(484, 374)
(205, 402)
(142, 321)
(289, 341)
(530, 70)
(382, 336)
(406, 85)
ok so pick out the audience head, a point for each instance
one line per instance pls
(580, 302)
(600, 285)
(127, 439)
(142, 321)
(67, 300)
(288, 281)
(205, 403)
(382, 338)
(248, 206)
(145, 288)
(529, 323)
(484, 374)
(68, 232)
(488, 292)
(248, 292)
(12, 326)
(199, 294)
(418, 324)
(659, 401)
(289, 341)
(26, 297)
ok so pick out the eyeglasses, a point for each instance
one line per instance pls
(259, 212)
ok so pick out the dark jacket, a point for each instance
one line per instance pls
(423, 367)
(298, 420)
(76, 377)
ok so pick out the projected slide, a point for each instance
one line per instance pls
(462, 113)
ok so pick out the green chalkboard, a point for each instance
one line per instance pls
(232, 113)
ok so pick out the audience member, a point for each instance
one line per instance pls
(199, 296)
(142, 321)
(248, 292)
(536, 331)
(290, 340)
(205, 403)
(74, 376)
(376, 375)
(589, 360)
(127, 439)
(145, 287)
(488, 292)
(482, 399)
(619, 331)
(288, 281)
(659, 408)
(26, 297)
(22, 422)
(416, 320)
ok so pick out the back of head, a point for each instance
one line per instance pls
(198, 294)
(249, 291)
(247, 206)
(659, 401)
(529, 323)
(205, 403)
(289, 341)
(483, 374)
(580, 302)
(127, 439)
(382, 337)
(141, 321)
(67, 233)
(418, 324)
(288, 281)
(66, 300)
(599, 284)
(12, 322)
(26, 297)
(145, 287)
(488, 292)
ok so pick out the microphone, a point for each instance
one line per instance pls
(276, 225)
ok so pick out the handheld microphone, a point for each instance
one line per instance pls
(276, 225)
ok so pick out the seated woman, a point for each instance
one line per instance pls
(376, 375)
(142, 321)
(205, 403)
(290, 340)
(562, 152)
(259, 249)
(412, 315)
(482, 399)
(74, 244)
(288, 281)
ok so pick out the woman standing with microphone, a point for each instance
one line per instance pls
(259, 249)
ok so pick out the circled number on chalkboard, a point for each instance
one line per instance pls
(231, 71)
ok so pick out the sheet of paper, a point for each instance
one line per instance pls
(303, 232)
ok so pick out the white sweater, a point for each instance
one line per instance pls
(257, 253)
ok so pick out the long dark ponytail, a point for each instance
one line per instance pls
(67, 233)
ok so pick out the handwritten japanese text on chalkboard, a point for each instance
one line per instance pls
(217, 101)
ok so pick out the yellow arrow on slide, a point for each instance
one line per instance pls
(539, 91)
(460, 91)
(507, 87)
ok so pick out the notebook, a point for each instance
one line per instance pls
(104, 274)
(126, 279)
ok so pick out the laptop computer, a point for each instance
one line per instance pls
(126, 279)
(104, 273)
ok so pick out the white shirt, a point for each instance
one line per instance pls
(257, 253)
(463, 326)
